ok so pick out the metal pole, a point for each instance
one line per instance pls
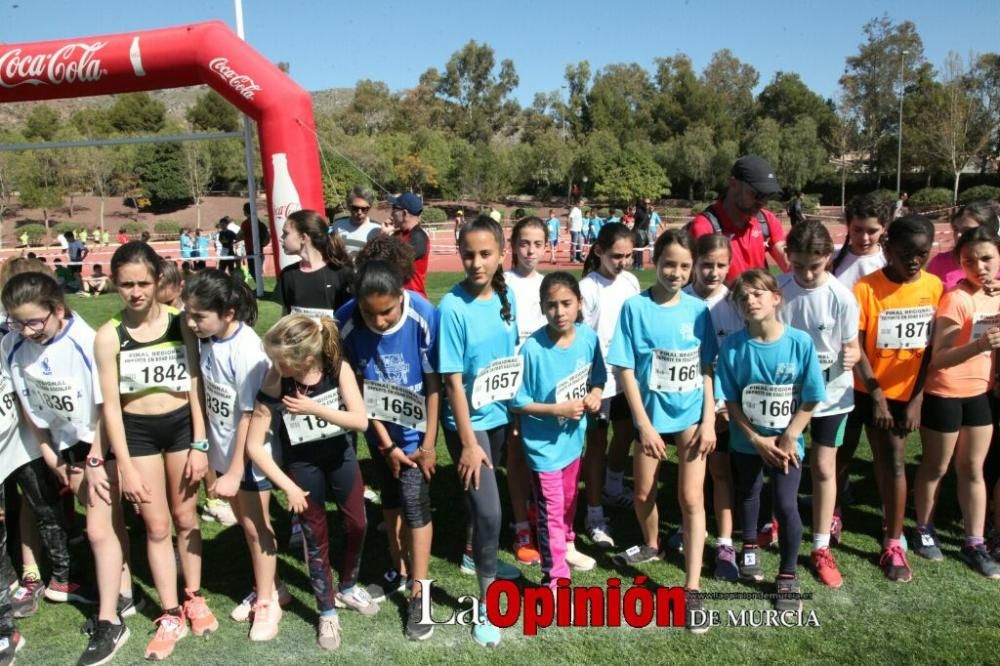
(258, 256)
(899, 155)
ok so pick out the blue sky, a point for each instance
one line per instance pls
(334, 44)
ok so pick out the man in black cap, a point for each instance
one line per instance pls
(405, 217)
(741, 215)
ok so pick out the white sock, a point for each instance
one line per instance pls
(821, 541)
(595, 515)
(613, 483)
(724, 541)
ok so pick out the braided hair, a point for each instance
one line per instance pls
(499, 284)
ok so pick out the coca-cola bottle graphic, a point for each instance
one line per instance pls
(284, 200)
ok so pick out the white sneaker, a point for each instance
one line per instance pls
(600, 535)
(371, 496)
(242, 612)
(216, 510)
(358, 599)
(577, 560)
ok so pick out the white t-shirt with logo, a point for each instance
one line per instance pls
(57, 382)
(575, 219)
(355, 237)
(602, 303)
(830, 315)
(18, 445)
(855, 267)
(529, 303)
(232, 372)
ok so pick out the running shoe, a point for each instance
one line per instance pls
(328, 632)
(244, 610)
(392, 583)
(104, 643)
(895, 565)
(356, 598)
(675, 540)
(768, 535)
(196, 610)
(415, 629)
(525, 551)
(696, 620)
(926, 544)
(600, 535)
(725, 564)
(129, 606)
(266, 617)
(623, 500)
(504, 570)
(483, 632)
(788, 595)
(371, 496)
(577, 560)
(979, 560)
(27, 597)
(750, 563)
(218, 511)
(993, 546)
(9, 647)
(826, 568)
(636, 555)
(69, 591)
(169, 630)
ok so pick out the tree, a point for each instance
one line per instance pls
(211, 112)
(843, 141)
(786, 98)
(42, 123)
(161, 169)
(479, 97)
(870, 85)
(765, 140)
(372, 109)
(690, 156)
(38, 183)
(731, 83)
(137, 113)
(802, 154)
(197, 173)
(633, 174)
(621, 101)
(681, 99)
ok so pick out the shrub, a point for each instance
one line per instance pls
(36, 232)
(433, 216)
(167, 228)
(885, 196)
(930, 198)
(133, 227)
(979, 193)
(531, 212)
(63, 227)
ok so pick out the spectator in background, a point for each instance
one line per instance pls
(201, 243)
(357, 229)
(576, 234)
(97, 284)
(795, 209)
(187, 244)
(25, 239)
(640, 235)
(63, 243)
(105, 238)
(897, 212)
(144, 237)
(77, 253)
(68, 280)
(459, 223)
(405, 216)
(122, 237)
(552, 224)
(227, 245)
(654, 222)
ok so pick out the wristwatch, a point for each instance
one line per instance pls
(200, 445)
(95, 461)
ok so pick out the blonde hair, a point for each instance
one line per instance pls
(18, 265)
(297, 341)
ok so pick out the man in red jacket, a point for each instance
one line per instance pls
(405, 216)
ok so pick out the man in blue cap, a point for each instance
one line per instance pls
(405, 217)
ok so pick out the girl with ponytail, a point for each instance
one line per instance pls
(321, 282)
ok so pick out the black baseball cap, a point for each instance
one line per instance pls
(756, 172)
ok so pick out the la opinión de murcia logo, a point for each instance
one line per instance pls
(241, 83)
(69, 64)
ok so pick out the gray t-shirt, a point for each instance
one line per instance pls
(355, 237)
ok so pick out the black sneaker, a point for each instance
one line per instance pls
(391, 583)
(979, 559)
(415, 631)
(789, 596)
(129, 606)
(10, 646)
(926, 544)
(695, 620)
(105, 641)
(750, 567)
(636, 555)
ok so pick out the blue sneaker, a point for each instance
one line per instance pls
(485, 633)
(504, 570)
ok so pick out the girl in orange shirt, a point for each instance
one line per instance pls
(956, 418)
(897, 307)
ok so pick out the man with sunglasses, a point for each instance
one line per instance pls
(741, 215)
(357, 229)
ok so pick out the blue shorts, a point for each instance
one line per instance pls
(248, 483)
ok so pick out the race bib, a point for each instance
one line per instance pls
(573, 387)
(904, 328)
(220, 403)
(395, 404)
(55, 398)
(769, 406)
(983, 322)
(827, 364)
(303, 428)
(500, 380)
(313, 313)
(8, 407)
(165, 368)
(676, 371)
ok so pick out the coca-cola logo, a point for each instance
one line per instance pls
(282, 211)
(241, 83)
(71, 63)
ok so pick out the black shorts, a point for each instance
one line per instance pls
(951, 414)
(828, 430)
(410, 494)
(162, 433)
(76, 454)
(722, 441)
(864, 408)
(612, 409)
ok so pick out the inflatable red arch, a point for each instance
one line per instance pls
(202, 53)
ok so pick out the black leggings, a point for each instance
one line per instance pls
(748, 473)
(7, 577)
(40, 492)
(483, 505)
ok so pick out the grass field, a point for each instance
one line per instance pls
(946, 615)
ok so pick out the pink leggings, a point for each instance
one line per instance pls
(555, 494)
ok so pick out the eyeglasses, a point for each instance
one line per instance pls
(360, 209)
(32, 324)
(758, 196)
